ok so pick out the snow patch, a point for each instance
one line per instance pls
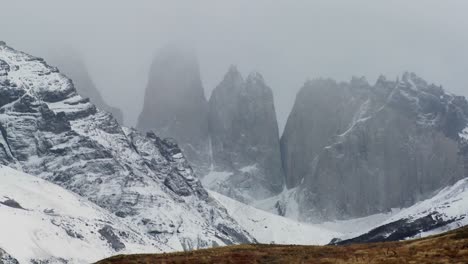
(464, 134)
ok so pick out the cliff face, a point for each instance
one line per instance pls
(175, 105)
(323, 110)
(50, 131)
(388, 146)
(244, 138)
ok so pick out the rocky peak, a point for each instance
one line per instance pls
(175, 104)
(244, 138)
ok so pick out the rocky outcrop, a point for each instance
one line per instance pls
(244, 138)
(369, 149)
(5, 258)
(50, 131)
(74, 67)
(175, 105)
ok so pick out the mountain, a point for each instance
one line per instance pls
(50, 131)
(352, 149)
(41, 222)
(175, 104)
(72, 64)
(244, 139)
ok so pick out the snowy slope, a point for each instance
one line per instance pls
(449, 205)
(445, 211)
(270, 228)
(42, 221)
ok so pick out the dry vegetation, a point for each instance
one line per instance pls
(450, 248)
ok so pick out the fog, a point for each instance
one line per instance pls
(287, 41)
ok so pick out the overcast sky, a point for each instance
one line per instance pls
(287, 41)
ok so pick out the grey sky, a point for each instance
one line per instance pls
(287, 41)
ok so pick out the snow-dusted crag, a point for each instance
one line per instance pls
(49, 131)
(244, 139)
(352, 149)
(72, 65)
(175, 105)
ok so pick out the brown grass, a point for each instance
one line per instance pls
(450, 248)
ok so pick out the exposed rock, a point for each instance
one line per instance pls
(368, 149)
(244, 138)
(4, 257)
(12, 203)
(107, 232)
(323, 110)
(175, 105)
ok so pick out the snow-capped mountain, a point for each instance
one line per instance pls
(40, 221)
(446, 211)
(352, 149)
(49, 131)
(244, 139)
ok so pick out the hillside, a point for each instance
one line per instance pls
(451, 247)
(40, 222)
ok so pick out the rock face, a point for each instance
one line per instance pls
(245, 138)
(323, 110)
(50, 131)
(73, 66)
(366, 149)
(175, 105)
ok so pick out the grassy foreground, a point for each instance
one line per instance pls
(451, 247)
